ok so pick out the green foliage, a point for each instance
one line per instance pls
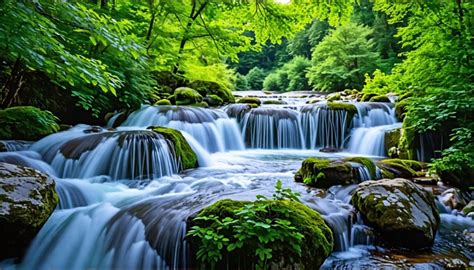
(26, 123)
(290, 77)
(380, 83)
(241, 83)
(342, 58)
(255, 78)
(277, 230)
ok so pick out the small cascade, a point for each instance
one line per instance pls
(138, 154)
(14, 145)
(76, 193)
(361, 234)
(361, 171)
(324, 127)
(372, 121)
(28, 159)
(213, 129)
(272, 128)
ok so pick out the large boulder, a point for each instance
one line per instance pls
(28, 198)
(324, 173)
(206, 88)
(317, 242)
(26, 123)
(403, 212)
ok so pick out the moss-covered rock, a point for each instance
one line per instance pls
(318, 241)
(163, 102)
(367, 162)
(250, 100)
(183, 151)
(274, 101)
(26, 123)
(468, 210)
(391, 140)
(186, 96)
(213, 100)
(366, 97)
(28, 198)
(206, 88)
(404, 168)
(406, 144)
(201, 104)
(404, 213)
(333, 97)
(379, 98)
(324, 173)
(401, 108)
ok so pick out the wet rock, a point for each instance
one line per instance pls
(329, 150)
(213, 100)
(403, 212)
(163, 102)
(468, 210)
(187, 158)
(93, 129)
(250, 100)
(391, 139)
(453, 198)
(28, 198)
(403, 168)
(212, 88)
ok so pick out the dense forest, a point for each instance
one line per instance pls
(97, 62)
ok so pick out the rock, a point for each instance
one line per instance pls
(250, 100)
(329, 150)
(391, 139)
(351, 109)
(453, 198)
(403, 212)
(394, 168)
(206, 88)
(28, 198)
(379, 98)
(183, 151)
(367, 97)
(93, 129)
(26, 123)
(163, 102)
(213, 100)
(275, 101)
(462, 178)
(323, 173)
(318, 241)
(468, 210)
(367, 162)
(333, 97)
(186, 96)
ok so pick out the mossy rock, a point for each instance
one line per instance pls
(380, 98)
(333, 97)
(168, 81)
(351, 109)
(468, 210)
(187, 158)
(250, 100)
(213, 100)
(367, 162)
(366, 97)
(318, 241)
(206, 88)
(401, 108)
(462, 178)
(324, 173)
(201, 104)
(26, 123)
(402, 212)
(163, 102)
(391, 140)
(404, 168)
(186, 96)
(28, 197)
(406, 145)
(274, 102)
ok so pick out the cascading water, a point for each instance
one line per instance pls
(211, 128)
(104, 224)
(10, 145)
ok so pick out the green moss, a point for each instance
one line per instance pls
(186, 96)
(333, 97)
(366, 97)
(206, 88)
(201, 104)
(351, 109)
(406, 144)
(185, 155)
(26, 123)
(318, 241)
(274, 101)
(163, 102)
(323, 173)
(367, 162)
(402, 167)
(249, 100)
(469, 208)
(380, 98)
(391, 140)
(214, 100)
(401, 108)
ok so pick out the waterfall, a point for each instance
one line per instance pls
(138, 154)
(15, 145)
(323, 126)
(205, 125)
(271, 128)
(372, 121)
(28, 159)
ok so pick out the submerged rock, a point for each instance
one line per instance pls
(28, 198)
(403, 212)
(317, 242)
(323, 173)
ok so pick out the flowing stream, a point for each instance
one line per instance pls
(124, 202)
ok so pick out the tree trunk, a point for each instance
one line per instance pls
(12, 86)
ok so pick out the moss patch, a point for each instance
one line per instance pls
(367, 162)
(323, 173)
(26, 123)
(380, 98)
(185, 155)
(249, 100)
(391, 140)
(163, 102)
(333, 97)
(318, 241)
(186, 96)
(366, 97)
(214, 100)
(351, 109)
(206, 88)
(402, 167)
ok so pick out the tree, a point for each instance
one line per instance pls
(255, 78)
(290, 77)
(342, 58)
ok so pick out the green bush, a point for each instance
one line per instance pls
(26, 123)
(255, 78)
